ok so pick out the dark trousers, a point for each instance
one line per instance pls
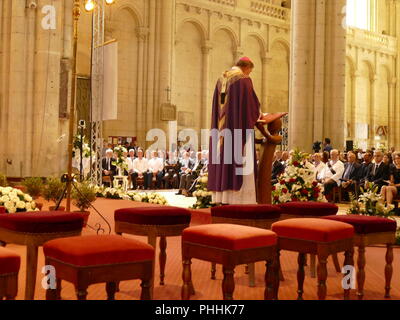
(134, 177)
(171, 180)
(149, 178)
(186, 181)
(328, 188)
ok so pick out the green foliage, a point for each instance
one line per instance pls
(85, 196)
(33, 185)
(53, 189)
(3, 180)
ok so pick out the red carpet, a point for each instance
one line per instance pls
(209, 289)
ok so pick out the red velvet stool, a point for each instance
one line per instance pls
(371, 231)
(229, 245)
(315, 236)
(310, 209)
(32, 229)
(9, 268)
(153, 222)
(95, 259)
(259, 216)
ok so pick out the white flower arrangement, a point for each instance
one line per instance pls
(298, 182)
(120, 161)
(119, 193)
(370, 203)
(14, 200)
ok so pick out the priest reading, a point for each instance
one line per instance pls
(235, 112)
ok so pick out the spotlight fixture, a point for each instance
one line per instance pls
(89, 5)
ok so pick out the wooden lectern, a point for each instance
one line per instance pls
(274, 123)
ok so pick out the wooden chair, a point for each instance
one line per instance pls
(229, 245)
(9, 268)
(319, 237)
(33, 229)
(371, 231)
(94, 259)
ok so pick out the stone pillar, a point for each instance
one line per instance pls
(354, 104)
(266, 59)
(317, 100)
(48, 49)
(205, 100)
(392, 114)
(167, 40)
(372, 109)
(140, 114)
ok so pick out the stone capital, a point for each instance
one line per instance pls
(142, 33)
(266, 58)
(207, 47)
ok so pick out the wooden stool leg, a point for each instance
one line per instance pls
(213, 270)
(312, 266)
(187, 279)
(163, 258)
(152, 240)
(336, 263)
(278, 263)
(228, 284)
(388, 269)
(81, 292)
(111, 289)
(301, 260)
(322, 274)
(252, 275)
(360, 271)
(246, 269)
(31, 271)
(270, 280)
(12, 287)
(348, 261)
(2, 244)
(54, 294)
(146, 290)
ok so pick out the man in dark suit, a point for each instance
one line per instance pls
(187, 165)
(366, 167)
(379, 172)
(351, 176)
(108, 168)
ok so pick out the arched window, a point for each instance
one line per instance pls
(358, 14)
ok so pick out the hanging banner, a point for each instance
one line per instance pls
(110, 81)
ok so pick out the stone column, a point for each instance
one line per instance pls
(266, 59)
(317, 100)
(354, 104)
(392, 114)
(167, 40)
(48, 49)
(372, 109)
(205, 99)
(140, 112)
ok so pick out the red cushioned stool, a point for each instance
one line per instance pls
(229, 245)
(310, 209)
(95, 259)
(32, 229)
(371, 231)
(153, 222)
(315, 236)
(259, 216)
(9, 268)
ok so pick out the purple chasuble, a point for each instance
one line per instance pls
(236, 110)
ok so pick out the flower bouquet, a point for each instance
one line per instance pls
(370, 203)
(120, 162)
(78, 141)
(298, 182)
(14, 200)
(204, 197)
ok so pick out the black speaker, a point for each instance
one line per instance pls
(349, 145)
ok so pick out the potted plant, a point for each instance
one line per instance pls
(52, 191)
(83, 196)
(34, 187)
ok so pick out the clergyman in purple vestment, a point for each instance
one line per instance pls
(232, 163)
